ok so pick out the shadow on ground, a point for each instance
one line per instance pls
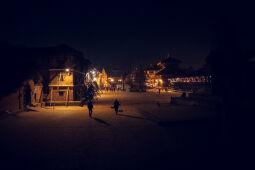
(135, 117)
(101, 121)
(31, 110)
(4, 115)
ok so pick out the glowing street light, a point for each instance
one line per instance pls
(68, 71)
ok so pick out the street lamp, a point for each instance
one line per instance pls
(68, 71)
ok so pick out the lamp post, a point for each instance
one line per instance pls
(69, 70)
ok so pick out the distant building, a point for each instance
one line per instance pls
(115, 79)
(157, 75)
(168, 74)
(41, 75)
(64, 85)
(64, 76)
(102, 80)
(152, 80)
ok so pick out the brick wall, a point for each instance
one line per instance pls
(12, 103)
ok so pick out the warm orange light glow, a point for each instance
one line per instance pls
(67, 69)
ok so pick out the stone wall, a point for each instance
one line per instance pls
(12, 102)
(37, 98)
(15, 101)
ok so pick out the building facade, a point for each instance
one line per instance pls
(168, 74)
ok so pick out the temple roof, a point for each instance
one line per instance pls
(172, 72)
(171, 60)
(153, 67)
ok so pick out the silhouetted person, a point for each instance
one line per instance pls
(90, 107)
(158, 104)
(116, 105)
(183, 94)
(158, 91)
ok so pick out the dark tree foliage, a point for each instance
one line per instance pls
(17, 64)
(227, 62)
(89, 92)
(229, 68)
(138, 79)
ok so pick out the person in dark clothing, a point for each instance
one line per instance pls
(116, 105)
(183, 94)
(90, 107)
(158, 104)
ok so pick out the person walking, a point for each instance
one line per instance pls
(116, 105)
(90, 107)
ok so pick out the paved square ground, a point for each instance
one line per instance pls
(142, 136)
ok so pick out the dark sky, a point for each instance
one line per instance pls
(126, 33)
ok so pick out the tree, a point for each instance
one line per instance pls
(225, 61)
(138, 79)
(89, 92)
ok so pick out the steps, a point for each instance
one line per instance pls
(63, 103)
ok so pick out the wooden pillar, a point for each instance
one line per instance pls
(67, 96)
(51, 91)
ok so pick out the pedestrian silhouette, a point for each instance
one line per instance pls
(116, 105)
(158, 104)
(183, 94)
(90, 107)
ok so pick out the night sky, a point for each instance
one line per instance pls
(125, 33)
